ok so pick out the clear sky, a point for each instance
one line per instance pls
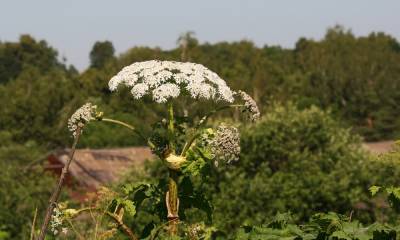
(73, 26)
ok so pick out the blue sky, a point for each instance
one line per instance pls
(73, 26)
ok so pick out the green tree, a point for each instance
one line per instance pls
(354, 77)
(35, 106)
(14, 57)
(186, 43)
(101, 54)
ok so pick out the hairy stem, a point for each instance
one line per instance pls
(171, 127)
(56, 193)
(172, 202)
(171, 197)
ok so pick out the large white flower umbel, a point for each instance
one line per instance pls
(164, 80)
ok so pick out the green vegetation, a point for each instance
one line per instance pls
(297, 161)
(355, 77)
(303, 157)
(23, 186)
(321, 226)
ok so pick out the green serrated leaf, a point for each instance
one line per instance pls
(374, 190)
(340, 235)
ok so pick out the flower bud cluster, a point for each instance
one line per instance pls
(226, 144)
(250, 106)
(82, 116)
(56, 221)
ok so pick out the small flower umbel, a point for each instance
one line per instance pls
(56, 220)
(82, 116)
(225, 146)
(250, 106)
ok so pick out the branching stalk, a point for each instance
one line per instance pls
(125, 229)
(56, 193)
(33, 227)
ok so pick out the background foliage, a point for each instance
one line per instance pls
(297, 161)
(299, 158)
(355, 77)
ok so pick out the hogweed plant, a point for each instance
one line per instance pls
(186, 150)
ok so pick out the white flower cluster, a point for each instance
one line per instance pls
(226, 144)
(167, 79)
(56, 220)
(83, 115)
(250, 106)
(195, 231)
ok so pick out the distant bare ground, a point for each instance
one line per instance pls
(379, 147)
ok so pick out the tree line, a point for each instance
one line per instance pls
(356, 78)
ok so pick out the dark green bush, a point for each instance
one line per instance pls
(321, 226)
(298, 161)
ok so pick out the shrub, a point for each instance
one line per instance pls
(300, 161)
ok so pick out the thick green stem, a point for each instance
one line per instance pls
(172, 202)
(171, 128)
(171, 198)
